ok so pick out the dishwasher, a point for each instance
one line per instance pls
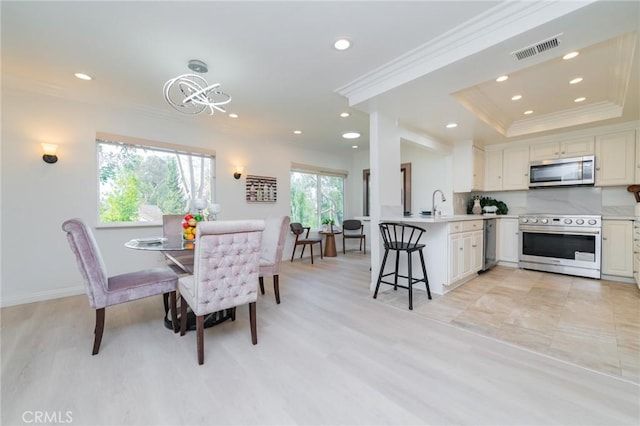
(490, 257)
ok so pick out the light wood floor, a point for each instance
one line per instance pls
(592, 323)
(329, 354)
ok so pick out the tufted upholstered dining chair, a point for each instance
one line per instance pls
(106, 291)
(180, 261)
(273, 239)
(298, 229)
(225, 273)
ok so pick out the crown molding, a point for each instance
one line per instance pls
(502, 22)
(571, 117)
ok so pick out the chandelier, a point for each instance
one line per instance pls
(191, 94)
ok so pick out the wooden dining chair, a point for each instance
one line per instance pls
(298, 229)
(353, 229)
(103, 290)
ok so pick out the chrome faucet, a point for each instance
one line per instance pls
(433, 201)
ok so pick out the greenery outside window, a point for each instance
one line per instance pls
(317, 196)
(139, 181)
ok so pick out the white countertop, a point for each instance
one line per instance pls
(440, 219)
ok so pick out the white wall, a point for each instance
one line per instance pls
(37, 197)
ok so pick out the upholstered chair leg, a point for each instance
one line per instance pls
(276, 288)
(311, 248)
(364, 239)
(321, 250)
(261, 281)
(303, 247)
(344, 249)
(200, 338)
(183, 316)
(252, 320)
(293, 252)
(174, 311)
(98, 330)
(233, 313)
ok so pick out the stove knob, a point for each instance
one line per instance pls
(525, 220)
(545, 220)
(592, 221)
(567, 221)
(579, 221)
(534, 220)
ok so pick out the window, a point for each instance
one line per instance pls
(316, 196)
(139, 181)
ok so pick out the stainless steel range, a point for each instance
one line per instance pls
(566, 244)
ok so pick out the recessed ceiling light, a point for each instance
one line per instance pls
(452, 125)
(502, 78)
(342, 44)
(233, 115)
(576, 80)
(529, 111)
(82, 76)
(344, 114)
(580, 99)
(570, 55)
(351, 135)
(297, 132)
(516, 97)
(354, 146)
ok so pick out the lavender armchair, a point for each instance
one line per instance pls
(273, 239)
(106, 291)
(225, 274)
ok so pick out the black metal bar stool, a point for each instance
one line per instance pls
(401, 237)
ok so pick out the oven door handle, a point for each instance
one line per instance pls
(548, 231)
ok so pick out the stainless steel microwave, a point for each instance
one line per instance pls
(562, 172)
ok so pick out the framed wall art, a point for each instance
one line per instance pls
(261, 189)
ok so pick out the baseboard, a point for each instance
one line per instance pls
(41, 295)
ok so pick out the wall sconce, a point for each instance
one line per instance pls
(49, 153)
(237, 173)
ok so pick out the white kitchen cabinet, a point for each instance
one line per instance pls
(468, 165)
(615, 158)
(617, 248)
(515, 168)
(493, 170)
(478, 169)
(465, 249)
(507, 238)
(563, 149)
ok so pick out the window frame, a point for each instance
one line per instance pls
(320, 171)
(107, 138)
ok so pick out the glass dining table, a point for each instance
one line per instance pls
(176, 250)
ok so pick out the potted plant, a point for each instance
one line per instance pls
(327, 224)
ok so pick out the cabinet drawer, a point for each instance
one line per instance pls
(472, 225)
(455, 227)
(465, 226)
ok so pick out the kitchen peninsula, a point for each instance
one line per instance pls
(454, 247)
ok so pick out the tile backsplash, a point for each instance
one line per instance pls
(613, 201)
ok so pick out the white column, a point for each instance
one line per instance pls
(385, 181)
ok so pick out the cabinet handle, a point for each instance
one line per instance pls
(604, 238)
(474, 246)
(562, 152)
(598, 168)
(555, 153)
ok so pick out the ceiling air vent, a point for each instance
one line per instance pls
(534, 49)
